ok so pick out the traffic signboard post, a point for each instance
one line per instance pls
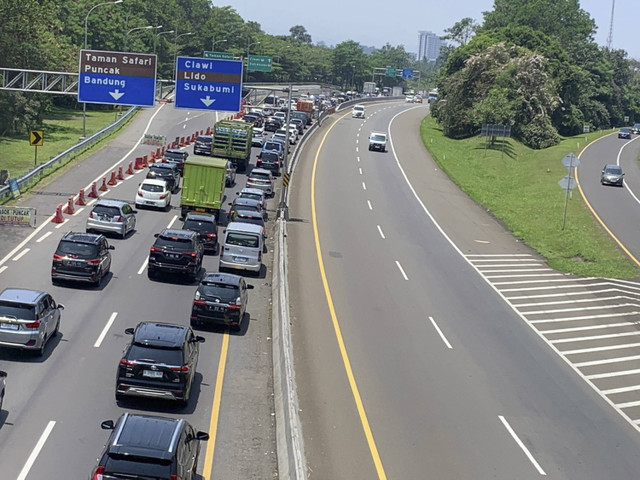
(117, 78)
(36, 139)
(208, 84)
(568, 183)
(218, 55)
(259, 63)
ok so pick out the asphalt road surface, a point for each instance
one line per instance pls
(50, 423)
(424, 334)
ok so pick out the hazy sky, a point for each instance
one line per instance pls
(375, 22)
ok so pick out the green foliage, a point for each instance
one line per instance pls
(462, 31)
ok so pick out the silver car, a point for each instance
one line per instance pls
(28, 319)
(112, 216)
(261, 179)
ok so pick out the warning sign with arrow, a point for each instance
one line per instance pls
(36, 138)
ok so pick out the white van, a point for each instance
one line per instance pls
(241, 247)
(358, 111)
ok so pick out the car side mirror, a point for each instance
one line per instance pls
(107, 425)
(111, 247)
(249, 286)
(202, 436)
(156, 235)
(134, 211)
(129, 331)
(60, 306)
(198, 339)
(3, 374)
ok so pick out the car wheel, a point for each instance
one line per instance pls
(119, 397)
(167, 207)
(57, 329)
(1, 400)
(40, 351)
(151, 273)
(98, 279)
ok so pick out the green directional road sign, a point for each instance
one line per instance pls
(390, 72)
(259, 63)
(218, 55)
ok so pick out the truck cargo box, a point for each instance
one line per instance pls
(203, 184)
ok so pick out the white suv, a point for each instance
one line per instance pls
(378, 141)
(358, 111)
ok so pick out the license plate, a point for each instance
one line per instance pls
(9, 326)
(73, 263)
(240, 259)
(152, 374)
(216, 308)
(149, 202)
(173, 255)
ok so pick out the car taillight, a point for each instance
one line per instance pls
(118, 218)
(184, 368)
(192, 254)
(154, 249)
(175, 477)
(164, 195)
(91, 215)
(124, 361)
(57, 257)
(140, 193)
(211, 235)
(98, 472)
(200, 302)
(35, 324)
(94, 261)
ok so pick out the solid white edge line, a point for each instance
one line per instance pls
(521, 445)
(105, 330)
(402, 270)
(36, 451)
(381, 233)
(144, 265)
(21, 254)
(44, 236)
(3, 268)
(444, 339)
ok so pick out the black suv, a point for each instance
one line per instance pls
(247, 204)
(146, 446)
(176, 251)
(221, 298)
(166, 171)
(160, 362)
(206, 227)
(203, 145)
(84, 257)
(269, 160)
(177, 156)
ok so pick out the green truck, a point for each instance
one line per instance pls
(203, 185)
(232, 140)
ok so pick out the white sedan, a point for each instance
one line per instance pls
(153, 193)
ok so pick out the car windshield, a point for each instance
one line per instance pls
(252, 196)
(259, 176)
(153, 354)
(174, 243)
(378, 138)
(242, 239)
(226, 293)
(148, 187)
(198, 226)
(243, 206)
(75, 249)
(358, 109)
(204, 139)
(174, 155)
(22, 311)
(614, 170)
(625, 129)
(160, 171)
(269, 157)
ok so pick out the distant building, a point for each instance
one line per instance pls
(428, 46)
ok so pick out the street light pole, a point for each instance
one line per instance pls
(86, 29)
(155, 38)
(213, 43)
(175, 53)
(126, 35)
(249, 45)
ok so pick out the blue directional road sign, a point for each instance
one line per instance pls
(117, 78)
(407, 73)
(208, 84)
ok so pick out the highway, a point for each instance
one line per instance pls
(428, 342)
(50, 423)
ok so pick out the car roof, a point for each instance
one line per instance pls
(146, 436)
(20, 295)
(202, 217)
(612, 165)
(255, 191)
(80, 237)
(244, 227)
(261, 171)
(167, 165)
(155, 181)
(246, 201)
(110, 203)
(175, 150)
(175, 232)
(226, 278)
(160, 334)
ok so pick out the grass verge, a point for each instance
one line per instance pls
(519, 186)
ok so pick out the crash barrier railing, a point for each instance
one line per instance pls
(36, 174)
(292, 463)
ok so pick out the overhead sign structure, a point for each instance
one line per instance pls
(208, 84)
(407, 73)
(36, 138)
(390, 72)
(259, 63)
(218, 55)
(117, 78)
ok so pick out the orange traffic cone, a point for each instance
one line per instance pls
(112, 180)
(103, 187)
(58, 218)
(81, 201)
(130, 169)
(69, 208)
(94, 191)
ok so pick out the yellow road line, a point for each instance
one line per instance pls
(215, 411)
(584, 197)
(343, 351)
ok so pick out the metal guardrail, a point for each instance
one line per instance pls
(36, 174)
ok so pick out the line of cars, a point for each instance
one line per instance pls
(612, 173)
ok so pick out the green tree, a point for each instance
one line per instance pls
(299, 34)
(462, 31)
